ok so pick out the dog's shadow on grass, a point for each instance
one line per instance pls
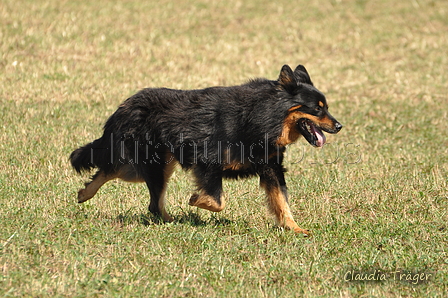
(190, 218)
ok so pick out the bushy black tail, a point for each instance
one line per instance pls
(81, 159)
(86, 158)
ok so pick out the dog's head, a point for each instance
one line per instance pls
(307, 109)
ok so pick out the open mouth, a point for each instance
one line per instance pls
(311, 133)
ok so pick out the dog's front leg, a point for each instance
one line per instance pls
(272, 180)
(209, 181)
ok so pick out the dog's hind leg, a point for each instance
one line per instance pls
(92, 187)
(156, 177)
(273, 182)
(210, 189)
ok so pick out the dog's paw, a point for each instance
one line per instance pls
(206, 202)
(82, 197)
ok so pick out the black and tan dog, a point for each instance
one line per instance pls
(219, 132)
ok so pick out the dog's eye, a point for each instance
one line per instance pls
(318, 109)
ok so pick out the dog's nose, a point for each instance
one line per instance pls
(338, 126)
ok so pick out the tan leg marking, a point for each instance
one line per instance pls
(279, 206)
(207, 202)
(168, 171)
(92, 187)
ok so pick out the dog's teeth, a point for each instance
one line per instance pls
(308, 127)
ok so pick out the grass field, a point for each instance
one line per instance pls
(375, 197)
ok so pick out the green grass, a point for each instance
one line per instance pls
(375, 197)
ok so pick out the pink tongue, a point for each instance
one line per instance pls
(320, 136)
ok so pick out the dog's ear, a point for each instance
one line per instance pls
(287, 79)
(302, 76)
